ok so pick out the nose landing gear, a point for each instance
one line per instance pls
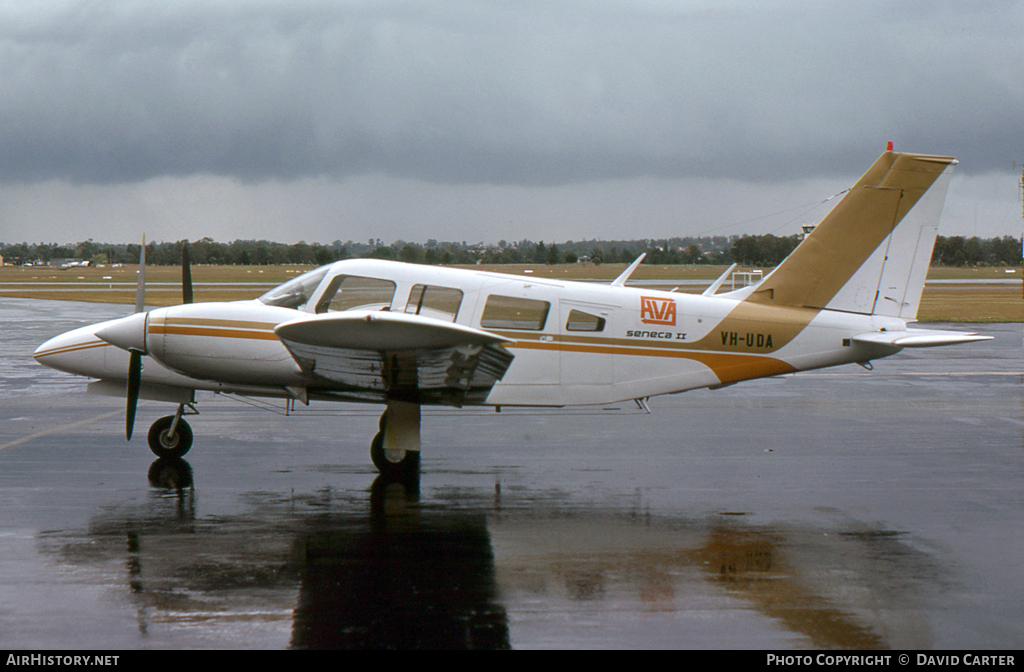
(170, 436)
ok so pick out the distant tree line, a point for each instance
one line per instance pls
(763, 250)
(261, 252)
(769, 250)
(203, 251)
(960, 251)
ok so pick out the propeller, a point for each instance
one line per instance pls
(186, 274)
(134, 383)
(135, 355)
(130, 333)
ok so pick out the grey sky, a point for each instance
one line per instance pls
(483, 120)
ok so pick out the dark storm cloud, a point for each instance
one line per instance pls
(507, 93)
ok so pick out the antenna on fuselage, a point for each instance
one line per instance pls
(621, 280)
(710, 291)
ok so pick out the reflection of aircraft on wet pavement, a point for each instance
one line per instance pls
(389, 569)
(409, 335)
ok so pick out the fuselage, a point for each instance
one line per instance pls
(573, 343)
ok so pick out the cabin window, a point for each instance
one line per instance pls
(440, 303)
(580, 321)
(509, 312)
(352, 292)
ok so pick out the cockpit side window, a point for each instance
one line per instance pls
(350, 292)
(296, 292)
(441, 303)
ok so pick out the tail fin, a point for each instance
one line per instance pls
(870, 254)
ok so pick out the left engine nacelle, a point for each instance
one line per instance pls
(225, 342)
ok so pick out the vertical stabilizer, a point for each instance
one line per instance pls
(871, 253)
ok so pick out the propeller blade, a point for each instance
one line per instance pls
(186, 274)
(140, 291)
(134, 382)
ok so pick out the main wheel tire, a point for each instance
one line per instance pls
(164, 445)
(393, 463)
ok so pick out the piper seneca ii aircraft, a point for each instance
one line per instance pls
(407, 335)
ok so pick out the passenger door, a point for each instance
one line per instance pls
(585, 360)
(529, 314)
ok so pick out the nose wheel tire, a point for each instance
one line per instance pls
(163, 444)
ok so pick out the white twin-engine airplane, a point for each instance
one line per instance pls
(406, 335)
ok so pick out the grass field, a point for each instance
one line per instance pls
(971, 304)
(940, 303)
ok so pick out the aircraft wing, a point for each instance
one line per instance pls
(918, 338)
(373, 355)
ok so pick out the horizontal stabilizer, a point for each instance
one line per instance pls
(918, 338)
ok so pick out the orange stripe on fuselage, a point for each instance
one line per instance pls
(727, 367)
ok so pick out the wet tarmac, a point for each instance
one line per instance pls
(836, 509)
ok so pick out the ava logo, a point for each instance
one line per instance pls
(657, 311)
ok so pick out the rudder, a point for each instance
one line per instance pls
(870, 254)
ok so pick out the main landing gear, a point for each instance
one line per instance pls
(395, 450)
(170, 436)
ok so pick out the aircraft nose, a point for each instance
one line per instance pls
(126, 333)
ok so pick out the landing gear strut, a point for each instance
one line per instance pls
(395, 450)
(170, 436)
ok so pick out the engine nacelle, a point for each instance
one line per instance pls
(226, 342)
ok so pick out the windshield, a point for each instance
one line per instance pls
(296, 292)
